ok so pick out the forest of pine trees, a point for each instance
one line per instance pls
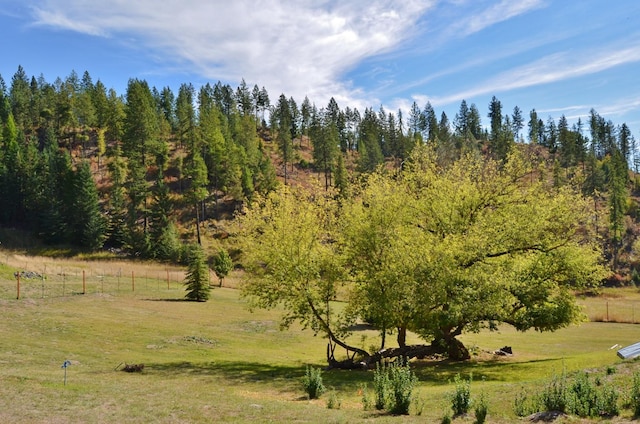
(86, 166)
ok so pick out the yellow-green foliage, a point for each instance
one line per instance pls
(436, 249)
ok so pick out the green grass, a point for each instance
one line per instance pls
(217, 362)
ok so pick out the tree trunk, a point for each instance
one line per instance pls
(198, 223)
(402, 336)
(452, 347)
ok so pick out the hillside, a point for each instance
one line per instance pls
(84, 168)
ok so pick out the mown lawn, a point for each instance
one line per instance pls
(219, 362)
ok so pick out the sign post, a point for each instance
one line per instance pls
(65, 364)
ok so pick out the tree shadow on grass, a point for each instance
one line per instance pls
(177, 299)
(444, 371)
(435, 372)
(254, 372)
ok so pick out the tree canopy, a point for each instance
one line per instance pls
(434, 249)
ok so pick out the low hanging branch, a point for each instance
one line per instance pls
(361, 359)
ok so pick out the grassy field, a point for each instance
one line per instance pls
(218, 362)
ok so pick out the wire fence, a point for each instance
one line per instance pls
(63, 281)
(617, 310)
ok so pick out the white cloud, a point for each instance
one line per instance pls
(296, 47)
(549, 69)
(497, 13)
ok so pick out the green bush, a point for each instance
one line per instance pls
(523, 404)
(634, 399)
(402, 380)
(367, 403)
(312, 383)
(446, 418)
(461, 397)
(582, 397)
(381, 387)
(554, 395)
(481, 410)
(393, 385)
(608, 402)
(333, 402)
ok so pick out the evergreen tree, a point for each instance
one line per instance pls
(533, 127)
(197, 278)
(282, 117)
(163, 234)
(431, 122)
(186, 117)
(324, 137)
(517, 121)
(88, 224)
(341, 176)
(474, 122)
(197, 174)
(117, 207)
(368, 142)
(617, 187)
(461, 121)
(141, 123)
(417, 124)
(495, 115)
(305, 116)
(20, 96)
(244, 100)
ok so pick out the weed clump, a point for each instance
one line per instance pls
(312, 383)
(461, 397)
(393, 385)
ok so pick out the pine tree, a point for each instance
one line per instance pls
(88, 224)
(282, 117)
(163, 233)
(197, 278)
(517, 121)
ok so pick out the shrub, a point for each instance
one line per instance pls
(381, 386)
(522, 404)
(333, 402)
(481, 410)
(367, 403)
(634, 399)
(554, 395)
(446, 418)
(608, 402)
(461, 397)
(222, 265)
(312, 383)
(582, 397)
(393, 385)
(402, 380)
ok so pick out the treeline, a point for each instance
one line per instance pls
(83, 165)
(153, 151)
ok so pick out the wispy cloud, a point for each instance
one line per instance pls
(497, 13)
(298, 47)
(549, 69)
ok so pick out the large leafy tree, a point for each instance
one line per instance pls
(288, 245)
(437, 250)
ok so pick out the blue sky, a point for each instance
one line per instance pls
(557, 56)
